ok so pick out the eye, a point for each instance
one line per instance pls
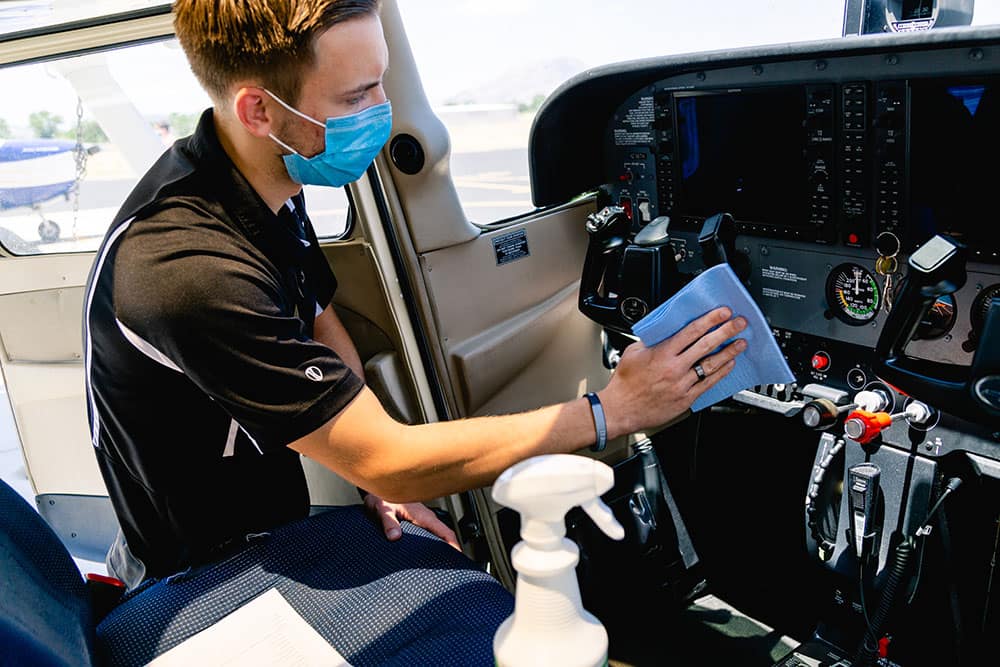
(354, 101)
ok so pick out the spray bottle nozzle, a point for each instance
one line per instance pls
(543, 488)
(605, 519)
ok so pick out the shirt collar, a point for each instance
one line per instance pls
(235, 193)
(270, 232)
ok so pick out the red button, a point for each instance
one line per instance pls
(821, 361)
(852, 238)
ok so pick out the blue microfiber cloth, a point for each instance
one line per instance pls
(762, 361)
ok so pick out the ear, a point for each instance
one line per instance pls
(252, 106)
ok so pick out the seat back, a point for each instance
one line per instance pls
(45, 615)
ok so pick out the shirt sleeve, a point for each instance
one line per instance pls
(219, 314)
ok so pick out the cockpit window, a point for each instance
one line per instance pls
(77, 133)
(489, 70)
(32, 15)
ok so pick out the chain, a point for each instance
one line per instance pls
(80, 156)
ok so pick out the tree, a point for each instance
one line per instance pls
(90, 133)
(45, 124)
(5, 132)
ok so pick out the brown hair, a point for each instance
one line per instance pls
(269, 40)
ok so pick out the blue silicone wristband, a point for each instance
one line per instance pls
(600, 424)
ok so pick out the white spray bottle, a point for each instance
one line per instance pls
(549, 625)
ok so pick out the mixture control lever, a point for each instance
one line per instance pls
(863, 426)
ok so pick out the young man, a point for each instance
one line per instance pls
(214, 357)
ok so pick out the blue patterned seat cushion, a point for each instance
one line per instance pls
(416, 601)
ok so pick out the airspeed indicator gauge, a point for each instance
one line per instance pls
(853, 294)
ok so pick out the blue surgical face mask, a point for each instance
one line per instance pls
(352, 142)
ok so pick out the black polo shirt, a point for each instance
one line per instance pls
(200, 361)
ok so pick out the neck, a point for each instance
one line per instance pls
(259, 160)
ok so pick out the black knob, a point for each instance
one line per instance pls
(820, 413)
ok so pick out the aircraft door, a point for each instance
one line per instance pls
(495, 301)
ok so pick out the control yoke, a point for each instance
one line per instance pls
(936, 269)
(609, 230)
(626, 275)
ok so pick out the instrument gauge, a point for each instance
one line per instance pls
(981, 308)
(853, 294)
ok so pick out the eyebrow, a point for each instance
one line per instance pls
(362, 88)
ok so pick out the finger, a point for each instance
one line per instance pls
(441, 529)
(425, 517)
(714, 364)
(698, 328)
(390, 524)
(710, 342)
(700, 387)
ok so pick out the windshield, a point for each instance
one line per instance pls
(514, 54)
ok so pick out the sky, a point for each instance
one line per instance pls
(458, 44)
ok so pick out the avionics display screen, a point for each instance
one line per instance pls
(743, 152)
(954, 152)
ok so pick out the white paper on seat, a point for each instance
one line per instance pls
(262, 633)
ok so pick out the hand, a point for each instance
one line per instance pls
(653, 385)
(390, 514)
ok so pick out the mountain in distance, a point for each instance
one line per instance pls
(521, 85)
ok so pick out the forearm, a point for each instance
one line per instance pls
(448, 457)
(404, 463)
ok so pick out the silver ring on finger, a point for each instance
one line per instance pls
(699, 371)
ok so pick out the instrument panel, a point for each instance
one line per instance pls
(834, 171)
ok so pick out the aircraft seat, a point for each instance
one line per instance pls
(413, 601)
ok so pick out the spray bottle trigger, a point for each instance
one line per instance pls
(605, 519)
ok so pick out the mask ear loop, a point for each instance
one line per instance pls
(294, 111)
(282, 144)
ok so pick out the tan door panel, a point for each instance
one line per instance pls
(51, 419)
(40, 331)
(42, 326)
(494, 358)
(512, 333)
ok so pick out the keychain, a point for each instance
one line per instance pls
(887, 265)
